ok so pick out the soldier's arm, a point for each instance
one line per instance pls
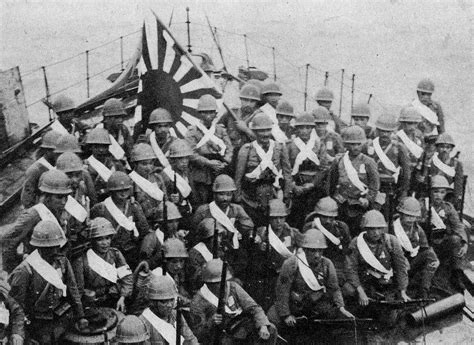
(458, 185)
(333, 178)
(78, 268)
(245, 222)
(332, 285)
(405, 173)
(19, 281)
(17, 316)
(283, 287)
(351, 265)
(188, 335)
(399, 263)
(373, 179)
(30, 187)
(229, 148)
(196, 158)
(73, 291)
(286, 171)
(423, 238)
(250, 306)
(140, 220)
(201, 318)
(126, 282)
(345, 236)
(455, 224)
(91, 192)
(240, 169)
(440, 113)
(150, 250)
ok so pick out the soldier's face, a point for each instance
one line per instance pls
(162, 130)
(48, 253)
(424, 97)
(383, 134)
(163, 307)
(360, 121)
(112, 121)
(144, 168)
(272, 99)
(354, 149)
(409, 127)
(407, 220)
(438, 194)
(444, 150)
(207, 117)
(65, 117)
(263, 136)
(374, 234)
(174, 265)
(56, 202)
(121, 195)
(248, 106)
(173, 225)
(283, 120)
(102, 244)
(304, 132)
(99, 151)
(75, 177)
(325, 104)
(277, 223)
(180, 163)
(321, 127)
(325, 220)
(313, 255)
(223, 199)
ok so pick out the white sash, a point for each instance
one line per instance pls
(426, 112)
(352, 174)
(46, 214)
(119, 217)
(46, 271)
(306, 152)
(277, 244)
(387, 163)
(436, 219)
(100, 168)
(404, 240)
(182, 185)
(167, 330)
(306, 272)
(45, 163)
(58, 127)
(4, 315)
(101, 267)
(415, 150)
(336, 241)
(265, 162)
(160, 235)
(209, 135)
(222, 218)
(277, 133)
(150, 188)
(448, 170)
(157, 150)
(211, 298)
(115, 149)
(370, 258)
(75, 209)
(202, 249)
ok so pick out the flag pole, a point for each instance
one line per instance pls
(306, 86)
(352, 91)
(189, 33)
(340, 95)
(326, 77)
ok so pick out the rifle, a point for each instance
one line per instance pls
(399, 304)
(163, 262)
(461, 207)
(178, 322)
(175, 187)
(333, 322)
(429, 227)
(215, 243)
(165, 219)
(221, 305)
(268, 280)
(420, 168)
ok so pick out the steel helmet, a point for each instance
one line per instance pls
(68, 143)
(324, 94)
(119, 181)
(249, 91)
(386, 122)
(207, 103)
(47, 234)
(162, 287)
(50, 139)
(131, 330)
(360, 110)
(326, 207)
(373, 219)
(69, 162)
(445, 138)
(205, 228)
(212, 271)
(305, 119)
(425, 85)
(439, 181)
(353, 134)
(55, 182)
(257, 83)
(101, 227)
(113, 107)
(63, 103)
(180, 148)
(160, 115)
(223, 183)
(277, 208)
(261, 121)
(142, 152)
(172, 211)
(285, 108)
(321, 115)
(271, 87)
(98, 136)
(174, 248)
(409, 114)
(409, 206)
(313, 239)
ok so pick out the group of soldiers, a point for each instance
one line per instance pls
(255, 219)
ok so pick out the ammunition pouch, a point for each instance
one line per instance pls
(240, 327)
(52, 314)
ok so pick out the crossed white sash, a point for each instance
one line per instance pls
(106, 270)
(202, 249)
(277, 133)
(223, 219)
(370, 258)
(277, 244)
(157, 150)
(448, 170)
(209, 135)
(425, 111)
(182, 185)
(150, 188)
(403, 237)
(265, 162)
(119, 217)
(387, 163)
(336, 241)
(100, 168)
(306, 152)
(306, 272)
(415, 149)
(352, 174)
(167, 330)
(211, 298)
(46, 271)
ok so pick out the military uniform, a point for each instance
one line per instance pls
(164, 146)
(201, 174)
(436, 108)
(150, 206)
(238, 138)
(30, 192)
(195, 263)
(185, 204)
(123, 138)
(333, 144)
(100, 185)
(150, 249)
(417, 137)
(16, 320)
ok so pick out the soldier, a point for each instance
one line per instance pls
(353, 179)
(64, 108)
(212, 149)
(160, 316)
(126, 216)
(148, 187)
(55, 186)
(113, 113)
(101, 163)
(392, 162)
(252, 327)
(330, 139)
(131, 330)
(271, 93)
(67, 143)
(12, 317)
(422, 259)
(261, 165)
(45, 287)
(360, 116)
(46, 159)
(424, 90)
(309, 163)
(307, 285)
(103, 270)
(376, 266)
(160, 138)
(285, 114)
(337, 234)
(324, 97)
(445, 230)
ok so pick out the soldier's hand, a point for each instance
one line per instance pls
(263, 246)
(298, 190)
(404, 296)
(290, 321)
(263, 333)
(121, 304)
(257, 239)
(364, 202)
(346, 313)
(363, 299)
(217, 319)
(420, 178)
(83, 323)
(16, 339)
(216, 165)
(308, 186)
(241, 125)
(462, 251)
(174, 198)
